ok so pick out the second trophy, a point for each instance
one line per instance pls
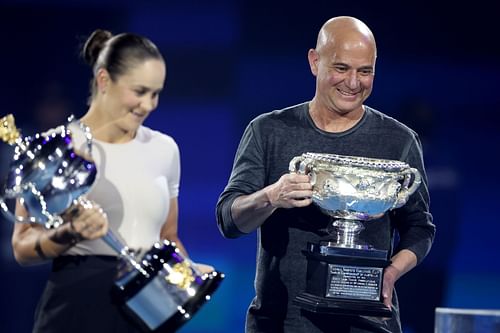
(161, 289)
(345, 273)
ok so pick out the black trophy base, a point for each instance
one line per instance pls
(152, 302)
(178, 318)
(318, 304)
(344, 281)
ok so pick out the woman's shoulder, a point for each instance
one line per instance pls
(148, 135)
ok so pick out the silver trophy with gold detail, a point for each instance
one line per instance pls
(45, 174)
(345, 273)
(161, 289)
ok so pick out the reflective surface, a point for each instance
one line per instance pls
(45, 174)
(166, 291)
(453, 320)
(354, 189)
(8, 130)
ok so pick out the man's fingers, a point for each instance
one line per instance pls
(295, 178)
(298, 195)
(302, 202)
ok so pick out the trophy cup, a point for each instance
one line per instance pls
(45, 174)
(162, 289)
(344, 273)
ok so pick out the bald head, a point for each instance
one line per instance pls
(345, 28)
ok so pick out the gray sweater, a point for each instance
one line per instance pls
(269, 143)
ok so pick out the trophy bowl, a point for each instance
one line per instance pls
(46, 174)
(354, 189)
(344, 273)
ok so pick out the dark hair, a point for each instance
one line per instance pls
(117, 54)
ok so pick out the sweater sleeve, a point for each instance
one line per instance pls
(413, 221)
(247, 177)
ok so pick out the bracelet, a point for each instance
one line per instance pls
(66, 238)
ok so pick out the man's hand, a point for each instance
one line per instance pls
(291, 190)
(402, 263)
(391, 275)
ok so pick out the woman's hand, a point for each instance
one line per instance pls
(32, 243)
(91, 221)
(84, 220)
(204, 269)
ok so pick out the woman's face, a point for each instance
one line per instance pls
(132, 96)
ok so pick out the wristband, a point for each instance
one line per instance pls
(66, 238)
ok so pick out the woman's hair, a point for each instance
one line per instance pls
(117, 54)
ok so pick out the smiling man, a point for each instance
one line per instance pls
(263, 196)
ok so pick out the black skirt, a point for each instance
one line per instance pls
(77, 298)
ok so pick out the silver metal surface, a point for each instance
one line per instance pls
(46, 175)
(353, 189)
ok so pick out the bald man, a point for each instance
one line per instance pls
(262, 195)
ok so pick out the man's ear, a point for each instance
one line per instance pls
(102, 79)
(313, 57)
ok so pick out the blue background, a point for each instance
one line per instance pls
(437, 70)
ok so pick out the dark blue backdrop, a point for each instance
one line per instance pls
(437, 70)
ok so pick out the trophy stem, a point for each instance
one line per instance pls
(346, 234)
(124, 252)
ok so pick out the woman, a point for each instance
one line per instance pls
(135, 193)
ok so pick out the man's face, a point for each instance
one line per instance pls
(344, 71)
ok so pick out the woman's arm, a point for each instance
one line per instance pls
(33, 244)
(170, 227)
(169, 232)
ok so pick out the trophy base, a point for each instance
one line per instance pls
(166, 293)
(345, 281)
(154, 310)
(318, 304)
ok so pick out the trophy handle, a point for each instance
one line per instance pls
(86, 132)
(14, 218)
(303, 166)
(7, 213)
(109, 238)
(406, 188)
(294, 165)
(52, 220)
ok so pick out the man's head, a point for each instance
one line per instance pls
(343, 63)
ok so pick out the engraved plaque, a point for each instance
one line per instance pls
(354, 282)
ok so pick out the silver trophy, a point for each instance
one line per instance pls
(161, 289)
(344, 272)
(46, 175)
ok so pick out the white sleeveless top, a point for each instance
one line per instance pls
(134, 184)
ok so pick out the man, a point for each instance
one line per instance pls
(261, 195)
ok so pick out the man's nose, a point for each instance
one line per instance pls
(352, 80)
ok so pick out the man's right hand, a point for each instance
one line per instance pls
(291, 190)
